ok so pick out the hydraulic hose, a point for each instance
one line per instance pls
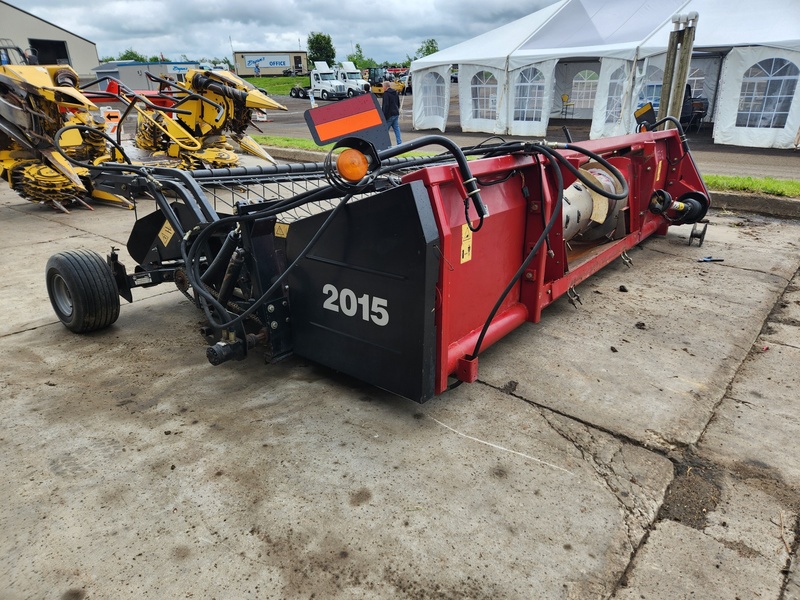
(193, 267)
(470, 183)
(537, 246)
(553, 157)
(201, 82)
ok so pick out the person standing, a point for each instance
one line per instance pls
(391, 110)
(257, 70)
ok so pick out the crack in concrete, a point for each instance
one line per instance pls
(789, 569)
(726, 265)
(784, 345)
(634, 512)
(671, 444)
(633, 506)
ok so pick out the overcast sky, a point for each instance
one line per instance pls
(204, 29)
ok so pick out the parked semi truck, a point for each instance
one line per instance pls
(352, 79)
(324, 84)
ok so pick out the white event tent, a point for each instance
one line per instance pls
(608, 57)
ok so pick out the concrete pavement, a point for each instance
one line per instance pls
(640, 446)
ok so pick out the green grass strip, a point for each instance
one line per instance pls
(303, 144)
(789, 188)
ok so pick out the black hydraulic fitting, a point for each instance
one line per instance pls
(236, 350)
(223, 352)
(689, 208)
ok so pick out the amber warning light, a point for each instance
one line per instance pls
(360, 117)
(352, 165)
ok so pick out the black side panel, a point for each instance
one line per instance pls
(363, 299)
(152, 241)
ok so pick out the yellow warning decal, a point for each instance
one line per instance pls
(281, 230)
(658, 171)
(642, 110)
(166, 233)
(466, 243)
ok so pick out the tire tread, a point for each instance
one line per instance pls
(92, 287)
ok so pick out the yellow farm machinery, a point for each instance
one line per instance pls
(183, 125)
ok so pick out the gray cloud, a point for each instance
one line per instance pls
(201, 28)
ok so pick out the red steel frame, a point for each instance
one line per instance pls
(468, 289)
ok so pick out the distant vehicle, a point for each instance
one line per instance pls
(650, 93)
(377, 76)
(405, 81)
(324, 85)
(210, 67)
(349, 76)
(454, 77)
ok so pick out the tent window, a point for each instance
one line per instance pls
(484, 96)
(433, 95)
(697, 79)
(529, 97)
(767, 91)
(651, 90)
(584, 88)
(616, 92)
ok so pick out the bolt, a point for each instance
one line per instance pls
(528, 275)
(270, 308)
(274, 324)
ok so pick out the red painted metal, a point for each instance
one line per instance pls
(474, 271)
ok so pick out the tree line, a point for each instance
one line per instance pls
(320, 48)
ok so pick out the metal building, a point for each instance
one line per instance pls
(50, 43)
(270, 63)
(133, 73)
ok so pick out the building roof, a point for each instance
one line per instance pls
(624, 29)
(46, 21)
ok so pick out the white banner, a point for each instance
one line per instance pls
(267, 61)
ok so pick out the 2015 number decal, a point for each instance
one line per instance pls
(345, 301)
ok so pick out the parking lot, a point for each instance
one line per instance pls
(641, 445)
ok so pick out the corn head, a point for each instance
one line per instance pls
(35, 103)
(52, 132)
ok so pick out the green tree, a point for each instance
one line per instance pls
(320, 47)
(428, 46)
(361, 61)
(131, 54)
(107, 59)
